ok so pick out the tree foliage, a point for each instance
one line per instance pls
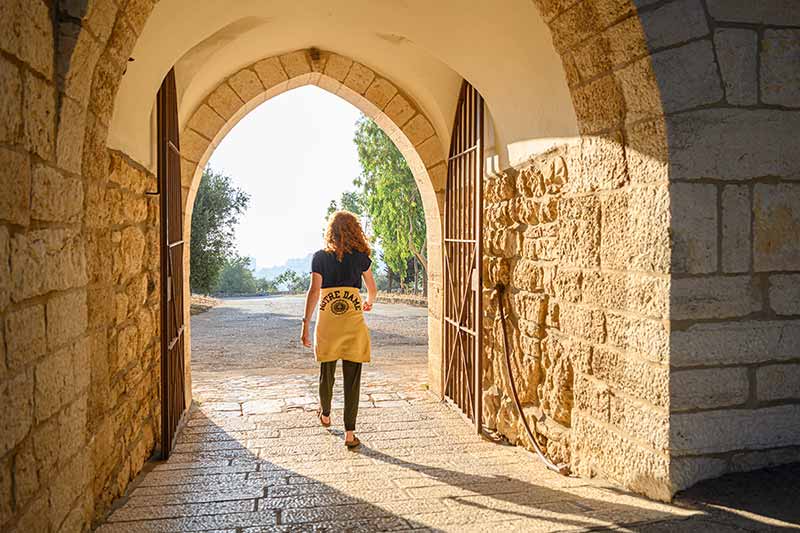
(217, 209)
(236, 277)
(390, 198)
(293, 281)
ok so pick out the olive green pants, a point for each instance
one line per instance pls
(352, 389)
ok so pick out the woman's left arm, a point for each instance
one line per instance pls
(312, 297)
(372, 289)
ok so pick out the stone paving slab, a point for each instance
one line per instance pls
(253, 458)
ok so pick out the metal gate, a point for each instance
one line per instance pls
(173, 402)
(462, 257)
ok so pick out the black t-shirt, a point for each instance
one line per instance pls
(346, 273)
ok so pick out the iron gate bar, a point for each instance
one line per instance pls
(462, 257)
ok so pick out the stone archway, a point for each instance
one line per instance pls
(668, 313)
(377, 97)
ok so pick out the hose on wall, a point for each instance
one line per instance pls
(561, 468)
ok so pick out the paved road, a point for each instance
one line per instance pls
(253, 458)
(249, 349)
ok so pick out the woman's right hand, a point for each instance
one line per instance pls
(305, 337)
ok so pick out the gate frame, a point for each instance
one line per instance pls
(173, 399)
(468, 125)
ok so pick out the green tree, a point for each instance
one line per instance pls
(266, 286)
(390, 198)
(293, 281)
(217, 209)
(236, 277)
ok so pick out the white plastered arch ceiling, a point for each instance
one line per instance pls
(505, 51)
(502, 47)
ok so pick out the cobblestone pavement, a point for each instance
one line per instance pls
(253, 458)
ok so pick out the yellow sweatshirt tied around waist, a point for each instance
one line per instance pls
(341, 332)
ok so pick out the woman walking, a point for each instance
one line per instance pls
(341, 332)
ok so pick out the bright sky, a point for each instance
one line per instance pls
(293, 154)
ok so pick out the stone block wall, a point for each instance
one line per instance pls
(735, 222)
(654, 265)
(122, 253)
(78, 308)
(587, 308)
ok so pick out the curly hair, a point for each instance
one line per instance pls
(344, 235)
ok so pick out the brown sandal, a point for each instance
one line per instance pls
(320, 415)
(355, 443)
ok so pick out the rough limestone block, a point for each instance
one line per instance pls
(714, 297)
(67, 317)
(39, 117)
(16, 417)
(380, 92)
(777, 12)
(738, 62)
(25, 336)
(611, 48)
(5, 274)
(46, 260)
(599, 105)
(583, 19)
(639, 88)
(660, 28)
(686, 471)
(736, 216)
(629, 374)
(206, 122)
(749, 461)
(778, 382)
(15, 182)
(82, 65)
(634, 466)
(224, 101)
(694, 228)
(635, 293)
(69, 141)
(645, 423)
(735, 343)
(246, 84)
(359, 78)
(708, 388)
(33, 32)
(438, 177)
(337, 67)
(399, 110)
(635, 230)
(582, 321)
(270, 72)
(734, 429)
(128, 253)
(687, 76)
(784, 293)
(193, 145)
(602, 164)
(431, 152)
(592, 397)
(646, 153)
(764, 140)
(55, 198)
(295, 64)
(26, 474)
(10, 101)
(54, 383)
(780, 67)
(646, 337)
(776, 226)
(418, 129)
